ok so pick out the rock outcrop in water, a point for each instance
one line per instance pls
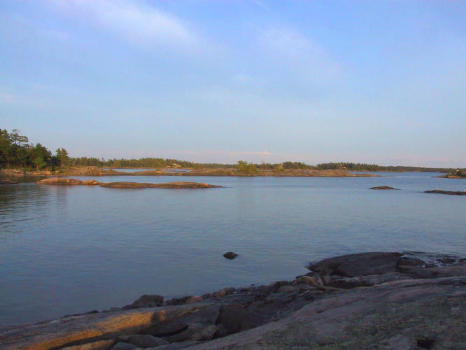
(125, 185)
(230, 255)
(176, 185)
(383, 188)
(358, 301)
(451, 193)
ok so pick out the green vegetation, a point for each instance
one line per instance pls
(457, 173)
(17, 152)
(245, 168)
(375, 167)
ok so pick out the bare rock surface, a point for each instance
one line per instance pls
(60, 181)
(398, 315)
(174, 185)
(374, 300)
(358, 264)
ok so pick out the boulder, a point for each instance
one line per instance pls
(358, 264)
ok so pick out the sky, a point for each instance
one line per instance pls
(218, 81)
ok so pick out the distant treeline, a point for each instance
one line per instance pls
(143, 163)
(17, 152)
(375, 167)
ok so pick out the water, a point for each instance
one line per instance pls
(73, 249)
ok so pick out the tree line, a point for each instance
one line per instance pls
(17, 152)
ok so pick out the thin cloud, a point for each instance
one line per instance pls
(309, 59)
(136, 22)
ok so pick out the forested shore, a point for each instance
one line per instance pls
(17, 152)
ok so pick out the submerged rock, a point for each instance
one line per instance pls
(230, 255)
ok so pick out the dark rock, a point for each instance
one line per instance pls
(201, 324)
(196, 331)
(147, 301)
(124, 346)
(451, 193)
(177, 346)
(287, 289)
(365, 281)
(184, 300)
(143, 340)
(177, 301)
(426, 343)
(358, 264)
(166, 328)
(235, 318)
(447, 260)
(276, 286)
(383, 188)
(93, 345)
(223, 292)
(407, 264)
(230, 255)
(261, 292)
(410, 261)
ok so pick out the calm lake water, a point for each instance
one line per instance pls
(73, 249)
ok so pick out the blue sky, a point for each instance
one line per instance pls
(365, 81)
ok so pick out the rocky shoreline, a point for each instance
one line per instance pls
(361, 301)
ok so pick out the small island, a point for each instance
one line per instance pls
(383, 188)
(63, 181)
(451, 193)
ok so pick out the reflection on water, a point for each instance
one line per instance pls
(73, 249)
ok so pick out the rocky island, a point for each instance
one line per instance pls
(361, 301)
(383, 188)
(63, 181)
(451, 193)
